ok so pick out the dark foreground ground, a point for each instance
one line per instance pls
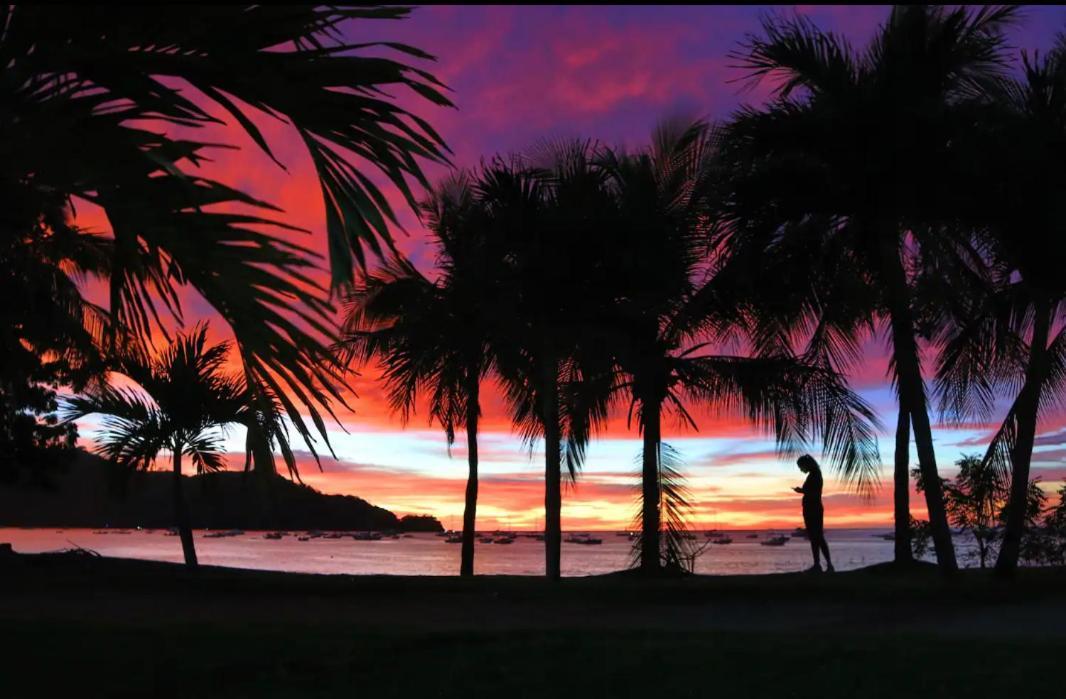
(80, 626)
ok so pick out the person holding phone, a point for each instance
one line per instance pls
(813, 513)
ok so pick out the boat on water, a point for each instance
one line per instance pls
(486, 539)
(722, 541)
(273, 536)
(778, 540)
(453, 539)
(503, 540)
(888, 537)
(584, 539)
(367, 536)
(224, 534)
(303, 538)
(799, 533)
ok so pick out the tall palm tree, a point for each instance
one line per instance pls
(854, 158)
(1012, 337)
(549, 215)
(183, 400)
(668, 308)
(102, 105)
(435, 336)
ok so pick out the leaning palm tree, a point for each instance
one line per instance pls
(854, 159)
(1011, 338)
(669, 307)
(103, 105)
(435, 337)
(183, 401)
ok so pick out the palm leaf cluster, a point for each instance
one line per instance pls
(103, 105)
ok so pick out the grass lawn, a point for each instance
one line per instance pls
(101, 627)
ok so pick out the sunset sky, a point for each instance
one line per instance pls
(519, 75)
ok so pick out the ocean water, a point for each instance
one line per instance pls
(427, 554)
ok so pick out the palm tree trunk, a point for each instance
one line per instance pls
(651, 519)
(1027, 410)
(473, 408)
(181, 514)
(912, 397)
(902, 499)
(553, 497)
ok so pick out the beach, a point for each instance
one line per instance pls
(108, 627)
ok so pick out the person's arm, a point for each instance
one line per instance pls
(799, 489)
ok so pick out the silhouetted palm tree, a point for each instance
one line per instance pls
(853, 158)
(551, 354)
(1011, 338)
(435, 337)
(183, 402)
(102, 105)
(669, 308)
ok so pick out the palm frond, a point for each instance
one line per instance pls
(799, 52)
(677, 550)
(798, 403)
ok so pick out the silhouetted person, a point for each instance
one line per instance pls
(813, 514)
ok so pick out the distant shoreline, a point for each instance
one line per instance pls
(887, 528)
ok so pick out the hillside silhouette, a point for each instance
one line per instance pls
(91, 493)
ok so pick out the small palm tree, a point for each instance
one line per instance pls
(854, 164)
(435, 337)
(183, 401)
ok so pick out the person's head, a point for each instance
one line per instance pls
(807, 463)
